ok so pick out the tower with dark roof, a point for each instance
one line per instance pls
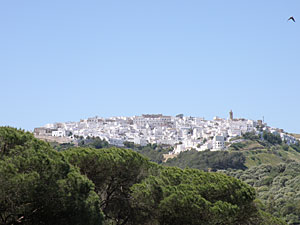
(231, 115)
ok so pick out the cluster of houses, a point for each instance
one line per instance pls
(181, 132)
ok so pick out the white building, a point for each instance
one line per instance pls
(218, 143)
(192, 132)
(59, 133)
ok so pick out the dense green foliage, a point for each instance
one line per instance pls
(272, 138)
(13, 141)
(190, 196)
(208, 160)
(296, 147)
(153, 152)
(266, 137)
(113, 171)
(89, 142)
(252, 141)
(94, 142)
(62, 147)
(278, 186)
(39, 185)
(261, 152)
(251, 136)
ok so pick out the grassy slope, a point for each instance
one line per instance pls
(277, 188)
(257, 154)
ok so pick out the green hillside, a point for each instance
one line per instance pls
(273, 170)
(114, 186)
(242, 155)
(258, 153)
(268, 165)
(250, 151)
(277, 186)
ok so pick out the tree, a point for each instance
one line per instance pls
(11, 138)
(113, 171)
(38, 186)
(194, 197)
(277, 186)
(272, 138)
(216, 160)
(41, 186)
(251, 136)
(129, 144)
(98, 143)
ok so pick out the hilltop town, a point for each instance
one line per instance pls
(181, 132)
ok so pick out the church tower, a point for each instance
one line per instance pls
(231, 115)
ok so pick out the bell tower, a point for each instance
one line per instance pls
(231, 115)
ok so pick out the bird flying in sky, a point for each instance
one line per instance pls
(292, 18)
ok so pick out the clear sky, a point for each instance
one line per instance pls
(66, 60)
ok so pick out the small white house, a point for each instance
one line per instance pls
(218, 143)
(59, 133)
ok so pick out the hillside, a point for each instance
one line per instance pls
(272, 169)
(246, 151)
(269, 166)
(89, 186)
(258, 152)
(277, 186)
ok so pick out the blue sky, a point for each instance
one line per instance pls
(67, 60)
